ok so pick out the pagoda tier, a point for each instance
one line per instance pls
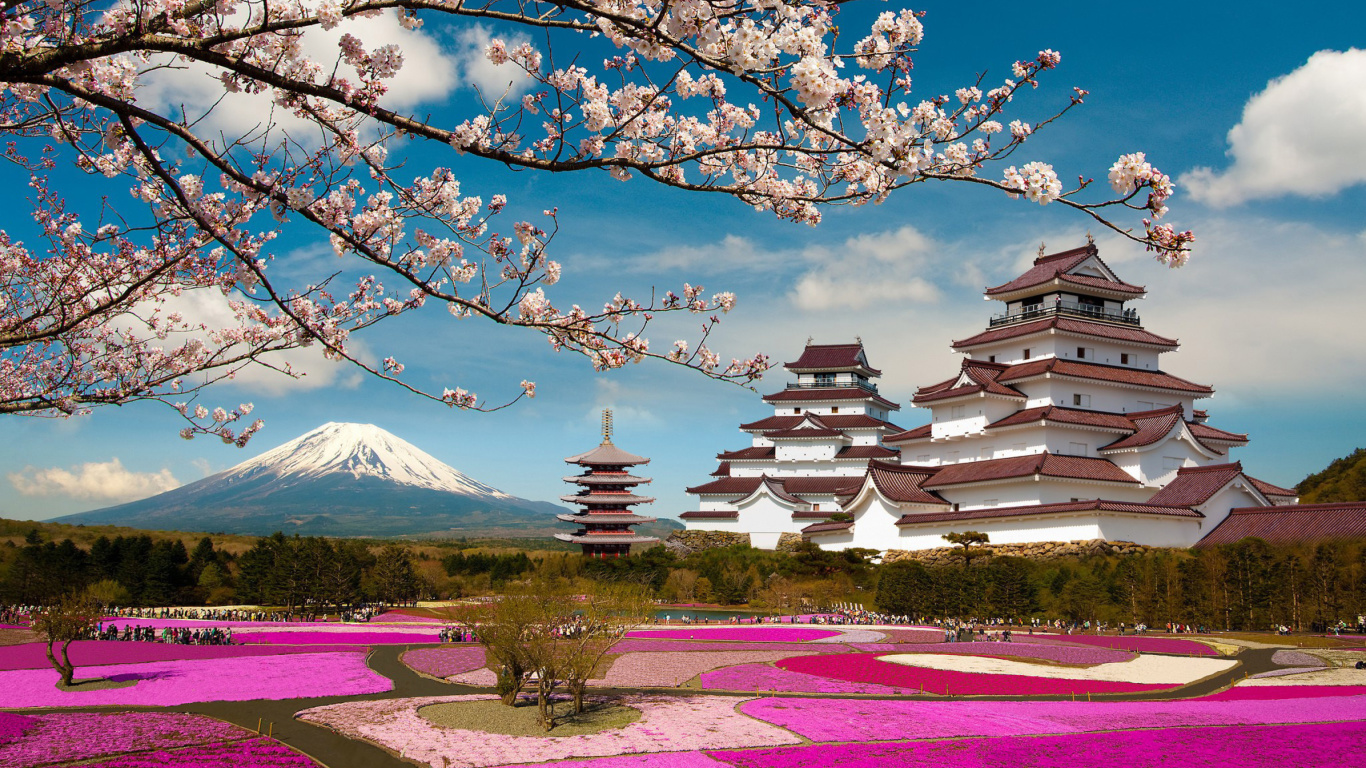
(605, 497)
(825, 429)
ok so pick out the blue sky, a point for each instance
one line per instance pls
(1268, 310)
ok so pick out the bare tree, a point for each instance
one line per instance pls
(70, 619)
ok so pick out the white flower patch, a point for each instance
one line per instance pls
(1329, 676)
(1147, 669)
(854, 636)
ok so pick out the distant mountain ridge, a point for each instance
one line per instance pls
(338, 480)
(1342, 480)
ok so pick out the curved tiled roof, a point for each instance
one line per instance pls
(816, 395)
(1045, 464)
(798, 486)
(827, 527)
(607, 454)
(1097, 372)
(919, 433)
(1150, 427)
(1268, 489)
(1056, 266)
(1290, 524)
(1206, 432)
(752, 453)
(710, 514)
(1195, 485)
(606, 499)
(1069, 325)
(982, 377)
(606, 479)
(1095, 505)
(902, 483)
(804, 433)
(827, 357)
(840, 421)
(1058, 414)
(723, 470)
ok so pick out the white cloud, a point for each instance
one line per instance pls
(105, 481)
(1302, 135)
(868, 271)
(494, 81)
(428, 75)
(629, 405)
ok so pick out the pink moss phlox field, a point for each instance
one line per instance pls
(1277, 692)
(338, 638)
(762, 677)
(1297, 659)
(1139, 643)
(77, 736)
(647, 760)
(636, 645)
(446, 661)
(669, 670)
(13, 726)
(260, 752)
(888, 720)
(400, 616)
(121, 621)
(86, 653)
(166, 683)
(915, 635)
(1063, 654)
(667, 724)
(1288, 746)
(866, 668)
(760, 634)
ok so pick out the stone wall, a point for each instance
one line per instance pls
(1043, 550)
(788, 542)
(682, 543)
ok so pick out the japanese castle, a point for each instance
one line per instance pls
(1060, 425)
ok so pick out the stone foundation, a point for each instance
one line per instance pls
(788, 542)
(683, 543)
(1042, 550)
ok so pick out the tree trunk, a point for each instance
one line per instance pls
(576, 687)
(64, 666)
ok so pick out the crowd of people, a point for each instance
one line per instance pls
(175, 635)
(458, 634)
(16, 614)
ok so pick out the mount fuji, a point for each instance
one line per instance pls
(337, 480)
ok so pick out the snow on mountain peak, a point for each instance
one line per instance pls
(362, 450)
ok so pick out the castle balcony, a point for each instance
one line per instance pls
(1070, 308)
(830, 384)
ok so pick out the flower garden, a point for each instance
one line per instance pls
(708, 696)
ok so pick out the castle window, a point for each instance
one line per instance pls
(825, 379)
(991, 359)
(1026, 353)
(1081, 353)
(1081, 401)
(1125, 358)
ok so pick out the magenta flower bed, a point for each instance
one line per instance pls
(1139, 643)
(121, 621)
(760, 634)
(1276, 692)
(762, 677)
(1063, 654)
(86, 653)
(914, 635)
(890, 720)
(340, 638)
(647, 760)
(865, 668)
(13, 726)
(253, 753)
(401, 616)
(635, 645)
(446, 661)
(79, 736)
(1286, 746)
(167, 683)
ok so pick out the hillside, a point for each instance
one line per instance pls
(1343, 480)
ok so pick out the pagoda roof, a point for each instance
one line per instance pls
(826, 394)
(711, 514)
(976, 377)
(899, 483)
(833, 357)
(607, 480)
(821, 485)
(1094, 505)
(607, 454)
(1058, 268)
(604, 538)
(1078, 369)
(597, 498)
(1042, 464)
(918, 433)
(840, 421)
(1290, 524)
(723, 470)
(605, 519)
(1072, 326)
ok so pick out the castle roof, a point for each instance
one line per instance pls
(710, 514)
(1268, 489)
(838, 421)
(826, 394)
(845, 453)
(1072, 326)
(1290, 524)
(1057, 414)
(1094, 505)
(1149, 427)
(833, 357)
(1056, 269)
(825, 485)
(975, 377)
(1077, 369)
(918, 433)
(1193, 486)
(827, 527)
(899, 483)
(1042, 464)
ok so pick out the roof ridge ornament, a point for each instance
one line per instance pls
(1042, 246)
(606, 426)
(1090, 239)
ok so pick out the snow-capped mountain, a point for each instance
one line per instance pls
(337, 480)
(359, 450)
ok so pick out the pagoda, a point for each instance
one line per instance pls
(825, 429)
(1060, 425)
(606, 498)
